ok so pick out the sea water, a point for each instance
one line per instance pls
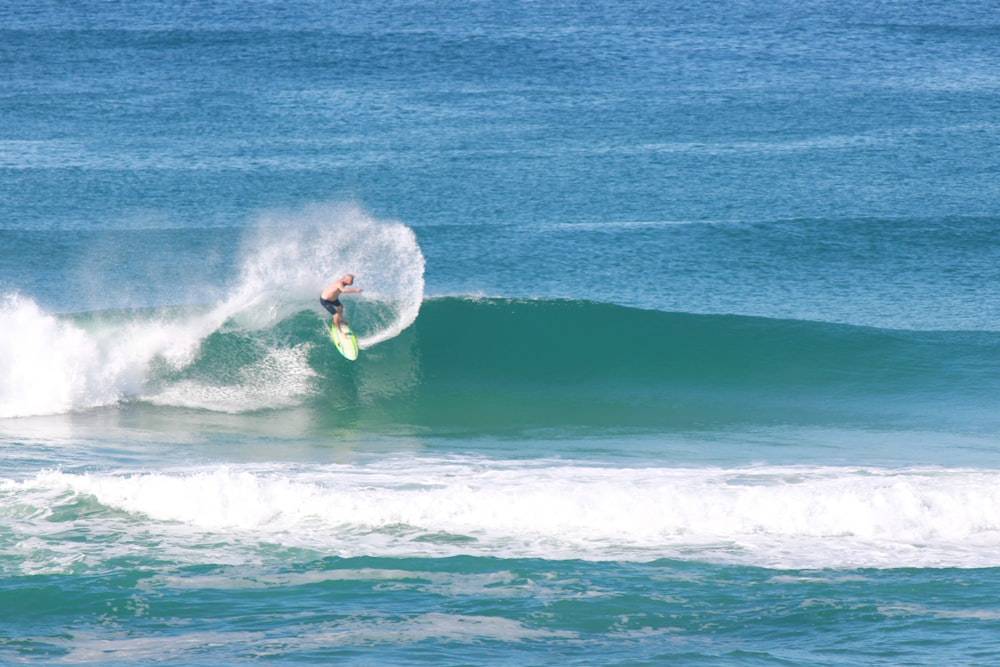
(680, 333)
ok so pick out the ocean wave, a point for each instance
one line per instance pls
(769, 516)
(489, 364)
(226, 356)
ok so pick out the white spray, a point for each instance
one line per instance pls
(290, 257)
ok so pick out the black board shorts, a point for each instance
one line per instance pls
(331, 306)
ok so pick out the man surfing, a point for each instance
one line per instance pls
(330, 297)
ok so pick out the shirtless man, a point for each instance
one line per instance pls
(330, 297)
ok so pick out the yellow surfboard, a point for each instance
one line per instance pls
(345, 340)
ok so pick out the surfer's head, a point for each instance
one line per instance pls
(349, 279)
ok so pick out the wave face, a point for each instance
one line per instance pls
(500, 365)
(544, 363)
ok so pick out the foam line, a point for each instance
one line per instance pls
(791, 516)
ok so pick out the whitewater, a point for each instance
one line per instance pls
(785, 517)
(55, 363)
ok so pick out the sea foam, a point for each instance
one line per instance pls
(51, 364)
(773, 516)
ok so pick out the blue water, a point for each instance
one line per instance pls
(680, 333)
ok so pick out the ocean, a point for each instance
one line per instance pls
(680, 332)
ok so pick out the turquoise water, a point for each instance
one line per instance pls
(680, 333)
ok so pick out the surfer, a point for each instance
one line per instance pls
(330, 297)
